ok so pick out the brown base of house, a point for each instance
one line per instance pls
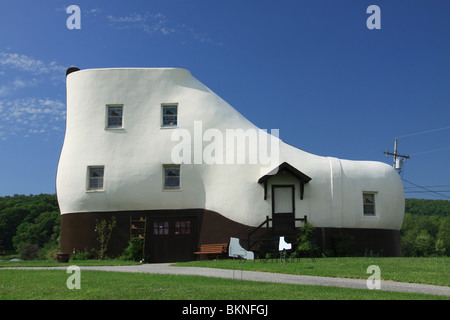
(174, 235)
(359, 242)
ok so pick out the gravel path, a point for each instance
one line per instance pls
(165, 268)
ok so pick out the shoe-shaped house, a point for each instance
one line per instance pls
(177, 165)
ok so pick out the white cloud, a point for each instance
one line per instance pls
(28, 115)
(31, 116)
(28, 72)
(12, 86)
(92, 12)
(27, 63)
(157, 23)
(147, 22)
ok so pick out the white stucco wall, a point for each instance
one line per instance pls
(133, 157)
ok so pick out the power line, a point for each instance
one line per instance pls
(436, 186)
(423, 132)
(446, 191)
(428, 190)
(439, 189)
(415, 134)
(443, 149)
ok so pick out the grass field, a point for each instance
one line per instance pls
(97, 285)
(434, 271)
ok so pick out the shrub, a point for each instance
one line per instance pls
(305, 245)
(86, 255)
(48, 251)
(29, 251)
(134, 250)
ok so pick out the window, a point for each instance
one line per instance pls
(95, 178)
(183, 227)
(169, 115)
(160, 228)
(114, 117)
(171, 177)
(369, 204)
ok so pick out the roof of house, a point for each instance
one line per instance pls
(285, 167)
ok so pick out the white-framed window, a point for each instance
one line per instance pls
(171, 177)
(114, 116)
(369, 203)
(169, 115)
(95, 178)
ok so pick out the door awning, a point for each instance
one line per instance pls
(282, 168)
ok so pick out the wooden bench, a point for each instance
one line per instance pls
(211, 249)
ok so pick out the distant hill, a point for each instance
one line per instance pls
(427, 207)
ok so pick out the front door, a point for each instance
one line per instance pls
(171, 239)
(283, 209)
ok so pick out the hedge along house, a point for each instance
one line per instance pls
(175, 163)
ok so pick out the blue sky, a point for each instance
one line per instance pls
(311, 69)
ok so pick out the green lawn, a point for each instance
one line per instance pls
(98, 285)
(53, 263)
(95, 285)
(414, 270)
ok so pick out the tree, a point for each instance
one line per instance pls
(10, 219)
(443, 236)
(428, 207)
(43, 229)
(409, 233)
(424, 244)
(425, 235)
(32, 219)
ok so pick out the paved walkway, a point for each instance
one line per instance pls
(165, 268)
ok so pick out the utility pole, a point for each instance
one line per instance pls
(398, 158)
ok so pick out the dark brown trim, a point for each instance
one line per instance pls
(77, 233)
(360, 242)
(77, 229)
